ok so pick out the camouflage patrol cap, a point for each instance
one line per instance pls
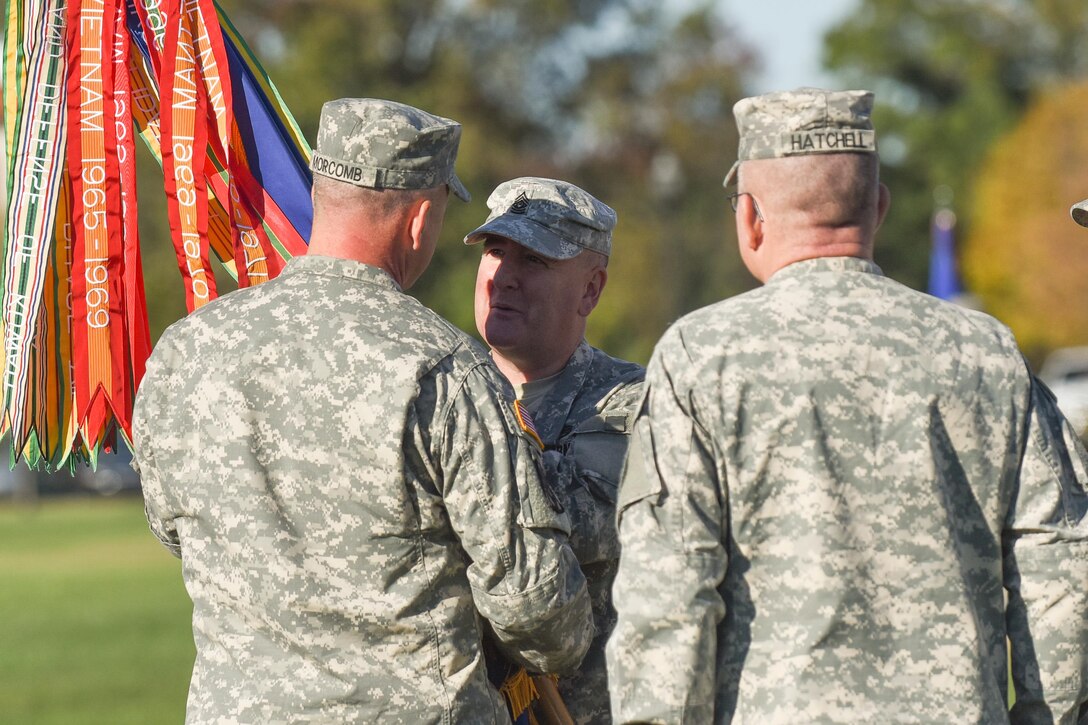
(1079, 212)
(803, 121)
(386, 145)
(553, 218)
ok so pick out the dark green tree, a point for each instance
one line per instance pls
(950, 76)
(624, 97)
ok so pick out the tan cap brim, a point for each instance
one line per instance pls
(1079, 212)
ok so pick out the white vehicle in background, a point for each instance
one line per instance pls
(1066, 373)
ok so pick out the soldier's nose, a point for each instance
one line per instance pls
(504, 276)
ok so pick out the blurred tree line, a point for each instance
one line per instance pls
(632, 100)
(954, 80)
(629, 99)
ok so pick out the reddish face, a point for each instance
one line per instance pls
(531, 310)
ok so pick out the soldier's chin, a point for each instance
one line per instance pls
(501, 332)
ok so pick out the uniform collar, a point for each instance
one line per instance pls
(821, 265)
(337, 267)
(555, 407)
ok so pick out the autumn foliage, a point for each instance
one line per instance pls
(1025, 258)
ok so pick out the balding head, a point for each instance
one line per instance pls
(826, 205)
(338, 198)
(808, 159)
(394, 229)
(383, 172)
(831, 191)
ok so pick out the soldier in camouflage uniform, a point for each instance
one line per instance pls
(843, 495)
(546, 245)
(349, 492)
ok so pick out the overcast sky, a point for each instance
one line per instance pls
(787, 35)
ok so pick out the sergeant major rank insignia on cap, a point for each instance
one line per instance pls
(520, 205)
(551, 217)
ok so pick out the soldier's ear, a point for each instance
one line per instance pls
(749, 225)
(417, 222)
(883, 203)
(591, 293)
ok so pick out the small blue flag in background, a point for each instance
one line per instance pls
(944, 279)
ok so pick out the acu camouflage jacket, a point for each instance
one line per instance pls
(585, 421)
(351, 499)
(842, 496)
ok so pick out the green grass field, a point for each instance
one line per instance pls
(94, 619)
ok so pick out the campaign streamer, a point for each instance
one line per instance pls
(99, 337)
(37, 143)
(83, 79)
